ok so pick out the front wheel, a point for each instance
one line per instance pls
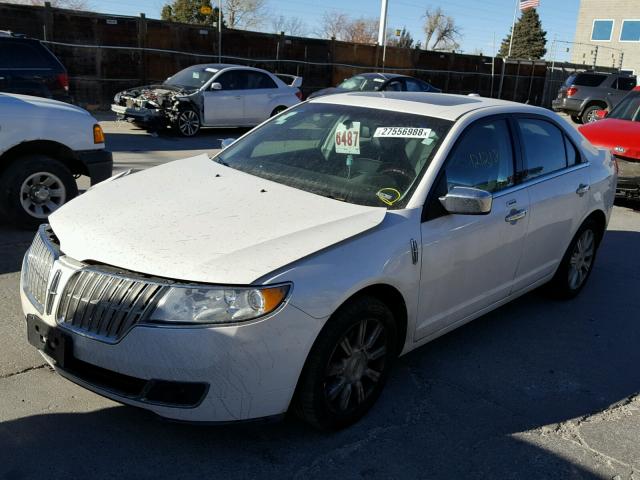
(577, 263)
(188, 122)
(33, 187)
(348, 365)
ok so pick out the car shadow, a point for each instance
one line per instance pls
(454, 408)
(134, 140)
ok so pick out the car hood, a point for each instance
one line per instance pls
(610, 133)
(36, 106)
(197, 220)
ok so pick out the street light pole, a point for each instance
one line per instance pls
(382, 30)
(219, 31)
(513, 27)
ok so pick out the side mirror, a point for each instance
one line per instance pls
(600, 114)
(216, 86)
(467, 201)
(226, 142)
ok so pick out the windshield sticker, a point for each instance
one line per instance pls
(347, 138)
(212, 70)
(380, 80)
(402, 132)
(195, 74)
(388, 195)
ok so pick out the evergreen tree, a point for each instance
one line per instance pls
(529, 39)
(404, 40)
(188, 11)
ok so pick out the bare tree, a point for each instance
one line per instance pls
(244, 14)
(441, 31)
(362, 30)
(69, 4)
(293, 26)
(333, 25)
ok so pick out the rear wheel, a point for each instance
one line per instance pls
(33, 187)
(348, 365)
(589, 114)
(577, 263)
(188, 122)
(278, 110)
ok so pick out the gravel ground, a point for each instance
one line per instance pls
(537, 389)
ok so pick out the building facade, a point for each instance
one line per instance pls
(613, 26)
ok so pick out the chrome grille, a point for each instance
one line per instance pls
(38, 263)
(105, 305)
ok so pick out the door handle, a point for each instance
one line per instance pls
(582, 189)
(515, 215)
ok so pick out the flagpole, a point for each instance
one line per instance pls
(513, 27)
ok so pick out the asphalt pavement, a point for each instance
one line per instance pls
(537, 389)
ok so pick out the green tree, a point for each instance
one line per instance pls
(404, 40)
(529, 39)
(188, 11)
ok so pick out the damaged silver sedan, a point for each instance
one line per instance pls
(209, 95)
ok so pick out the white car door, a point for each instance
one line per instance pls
(469, 261)
(260, 97)
(558, 184)
(226, 107)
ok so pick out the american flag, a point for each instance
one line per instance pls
(527, 4)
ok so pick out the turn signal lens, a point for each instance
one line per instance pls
(98, 134)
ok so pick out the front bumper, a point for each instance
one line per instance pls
(99, 164)
(145, 116)
(628, 178)
(250, 370)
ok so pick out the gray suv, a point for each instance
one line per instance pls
(582, 94)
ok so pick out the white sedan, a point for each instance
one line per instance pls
(208, 95)
(292, 269)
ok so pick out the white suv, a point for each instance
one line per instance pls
(44, 144)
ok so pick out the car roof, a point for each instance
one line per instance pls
(440, 105)
(379, 75)
(222, 66)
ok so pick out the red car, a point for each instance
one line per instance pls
(619, 132)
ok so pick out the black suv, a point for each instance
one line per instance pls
(28, 67)
(583, 94)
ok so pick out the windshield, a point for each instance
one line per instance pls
(192, 77)
(628, 108)
(357, 155)
(361, 84)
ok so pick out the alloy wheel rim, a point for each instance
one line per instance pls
(591, 116)
(356, 365)
(188, 123)
(41, 194)
(581, 259)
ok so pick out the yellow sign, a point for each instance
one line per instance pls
(206, 10)
(398, 33)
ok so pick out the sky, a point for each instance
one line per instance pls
(477, 19)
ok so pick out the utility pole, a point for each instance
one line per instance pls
(382, 30)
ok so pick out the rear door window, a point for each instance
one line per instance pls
(544, 147)
(626, 83)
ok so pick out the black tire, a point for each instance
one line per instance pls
(21, 208)
(278, 110)
(589, 114)
(188, 123)
(330, 371)
(576, 119)
(562, 286)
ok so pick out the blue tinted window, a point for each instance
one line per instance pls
(630, 31)
(602, 30)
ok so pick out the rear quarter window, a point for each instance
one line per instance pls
(17, 54)
(589, 79)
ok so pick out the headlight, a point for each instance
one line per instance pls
(116, 98)
(217, 304)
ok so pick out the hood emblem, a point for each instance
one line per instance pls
(620, 149)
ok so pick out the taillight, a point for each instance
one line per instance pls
(63, 80)
(299, 95)
(571, 91)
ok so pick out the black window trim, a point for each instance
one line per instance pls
(522, 179)
(517, 161)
